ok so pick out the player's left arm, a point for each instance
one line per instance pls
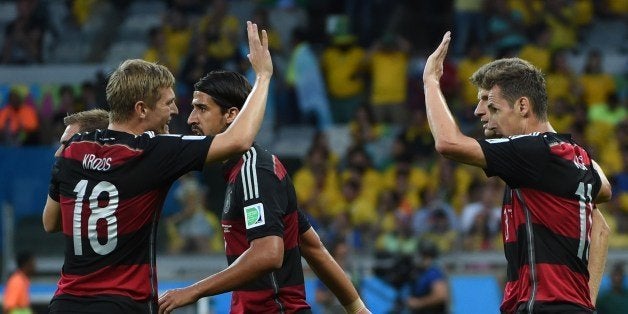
(51, 217)
(600, 232)
(264, 255)
(449, 140)
(598, 251)
(329, 272)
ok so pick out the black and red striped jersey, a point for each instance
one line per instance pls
(546, 218)
(111, 186)
(260, 201)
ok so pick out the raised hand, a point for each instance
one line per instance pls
(434, 66)
(259, 56)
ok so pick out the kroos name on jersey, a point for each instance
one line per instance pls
(91, 162)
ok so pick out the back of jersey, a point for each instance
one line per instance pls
(111, 187)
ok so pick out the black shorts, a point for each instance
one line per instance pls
(99, 304)
(554, 308)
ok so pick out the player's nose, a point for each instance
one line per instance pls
(174, 109)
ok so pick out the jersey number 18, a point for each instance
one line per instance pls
(107, 212)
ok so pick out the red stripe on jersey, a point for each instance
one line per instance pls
(571, 152)
(125, 280)
(234, 233)
(280, 170)
(561, 215)
(291, 298)
(291, 231)
(112, 155)
(131, 214)
(555, 283)
(232, 175)
(558, 283)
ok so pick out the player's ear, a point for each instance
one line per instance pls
(231, 114)
(523, 105)
(140, 109)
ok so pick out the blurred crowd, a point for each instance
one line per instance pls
(357, 64)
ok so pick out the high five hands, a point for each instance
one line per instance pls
(434, 66)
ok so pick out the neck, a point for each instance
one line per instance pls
(532, 126)
(125, 127)
(545, 127)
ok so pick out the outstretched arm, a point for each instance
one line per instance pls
(263, 256)
(240, 134)
(329, 272)
(598, 251)
(450, 142)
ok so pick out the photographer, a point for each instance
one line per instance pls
(428, 291)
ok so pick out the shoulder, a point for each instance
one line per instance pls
(258, 157)
(264, 162)
(520, 141)
(152, 137)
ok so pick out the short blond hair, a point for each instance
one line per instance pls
(88, 120)
(135, 80)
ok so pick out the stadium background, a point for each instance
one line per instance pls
(369, 180)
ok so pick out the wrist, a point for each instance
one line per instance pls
(263, 76)
(430, 83)
(197, 291)
(355, 306)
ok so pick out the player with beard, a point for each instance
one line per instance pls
(265, 232)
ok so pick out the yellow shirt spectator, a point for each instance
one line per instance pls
(318, 201)
(370, 181)
(530, 10)
(417, 181)
(341, 68)
(560, 85)
(562, 117)
(466, 68)
(82, 10)
(561, 19)
(584, 12)
(157, 51)
(222, 44)
(362, 212)
(177, 35)
(596, 87)
(618, 7)
(389, 72)
(537, 55)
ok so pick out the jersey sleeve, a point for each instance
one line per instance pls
(53, 189)
(597, 183)
(264, 202)
(518, 160)
(304, 223)
(178, 154)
